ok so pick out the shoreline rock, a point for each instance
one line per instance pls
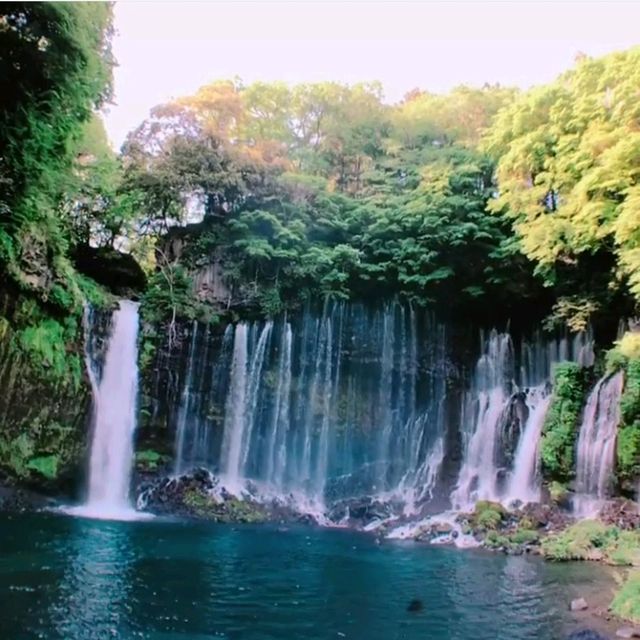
(22, 500)
(200, 494)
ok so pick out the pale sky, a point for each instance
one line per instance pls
(169, 49)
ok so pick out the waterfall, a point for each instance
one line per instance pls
(596, 443)
(524, 484)
(276, 454)
(349, 401)
(114, 418)
(506, 408)
(185, 405)
(327, 406)
(478, 475)
(385, 391)
(253, 388)
(234, 424)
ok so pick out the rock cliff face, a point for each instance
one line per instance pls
(206, 270)
(44, 402)
(210, 285)
(119, 272)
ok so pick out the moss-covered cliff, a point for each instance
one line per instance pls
(45, 394)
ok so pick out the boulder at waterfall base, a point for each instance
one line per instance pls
(199, 494)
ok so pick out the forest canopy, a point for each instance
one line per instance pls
(324, 188)
(55, 65)
(520, 199)
(482, 193)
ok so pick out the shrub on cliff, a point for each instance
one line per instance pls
(628, 441)
(561, 423)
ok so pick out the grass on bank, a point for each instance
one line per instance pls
(593, 540)
(626, 603)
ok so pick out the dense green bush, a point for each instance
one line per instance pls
(559, 432)
(628, 442)
(630, 401)
(169, 297)
(56, 65)
(502, 540)
(524, 536)
(150, 460)
(628, 452)
(487, 515)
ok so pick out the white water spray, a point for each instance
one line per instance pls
(478, 475)
(114, 420)
(596, 444)
(524, 484)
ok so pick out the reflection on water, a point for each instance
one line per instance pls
(94, 591)
(75, 579)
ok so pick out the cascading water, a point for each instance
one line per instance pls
(235, 422)
(509, 406)
(114, 418)
(345, 403)
(354, 402)
(185, 404)
(596, 444)
(478, 475)
(524, 484)
(276, 454)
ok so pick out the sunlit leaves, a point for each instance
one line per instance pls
(569, 165)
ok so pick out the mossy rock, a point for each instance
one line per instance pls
(524, 536)
(201, 503)
(46, 466)
(558, 492)
(43, 442)
(487, 515)
(243, 511)
(41, 455)
(150, 460)
(118, 272)
(494, 540)
(232, 510)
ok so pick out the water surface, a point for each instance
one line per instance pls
(73, 578)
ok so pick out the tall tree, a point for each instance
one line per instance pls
(569, 169)
(55, 66)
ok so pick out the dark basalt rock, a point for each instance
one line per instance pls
(118, 272)
(435, 531)
(536, 515)
(621, 513)
(359, 512)
(22, 500)
(414, 606)
(199, 494)
(513, 419)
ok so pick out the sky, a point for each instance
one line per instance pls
(169, 49)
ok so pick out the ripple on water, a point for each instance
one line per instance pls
(163, 580)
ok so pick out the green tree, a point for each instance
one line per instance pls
(55, 65)
(568, 168)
